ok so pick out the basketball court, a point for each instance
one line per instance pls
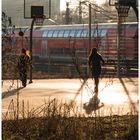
(118, 96)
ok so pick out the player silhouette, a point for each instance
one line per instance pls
(95, 60)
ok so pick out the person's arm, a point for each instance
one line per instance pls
(28, 60)
(89, 60)
(102, 60)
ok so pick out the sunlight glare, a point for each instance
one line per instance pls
(106, 97)
(113, 98)
(62, 5)
(99, 2)
(75, 2)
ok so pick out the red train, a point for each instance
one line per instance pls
(57, 41)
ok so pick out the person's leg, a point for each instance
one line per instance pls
(24, 78)
(96, 83)
(20, 75)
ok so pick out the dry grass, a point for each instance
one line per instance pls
(61, 121)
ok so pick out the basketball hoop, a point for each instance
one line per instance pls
(39, 21)
(37, 13)
(122, 10)
(122, 7)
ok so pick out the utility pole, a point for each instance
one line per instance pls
(67, 13)
(89, 29)
(89, 36)
(80, 13)
(31, 44)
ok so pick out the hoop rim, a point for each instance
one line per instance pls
(122, 9)
(39, 21)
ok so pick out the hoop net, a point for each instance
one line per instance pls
(39, 21)
(122, 10)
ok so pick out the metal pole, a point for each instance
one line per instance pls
(31, 34)
(24, 8)
(89, 37)
(89, 28)
(67, 13)
(80, 13)
(49, 8)
(118, 46)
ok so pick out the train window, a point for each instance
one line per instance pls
(95, 33)
(66, 33)
(50, 33)
(79, 33)
(103, 33)
(60, 34)
(72, 33)
(55, 34)
(84, 33)
(92, 33)
(45, 33)
(99, 33)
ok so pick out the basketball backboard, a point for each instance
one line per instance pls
(37, 9)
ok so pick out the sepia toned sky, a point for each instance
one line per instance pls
(63, 2)
(15, 9)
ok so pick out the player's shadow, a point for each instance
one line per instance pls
(93, 105)
(9, 93)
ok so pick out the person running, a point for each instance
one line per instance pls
(95, 60)
(23, 66)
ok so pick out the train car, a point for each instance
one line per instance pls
(57, 42)
(20, 42)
